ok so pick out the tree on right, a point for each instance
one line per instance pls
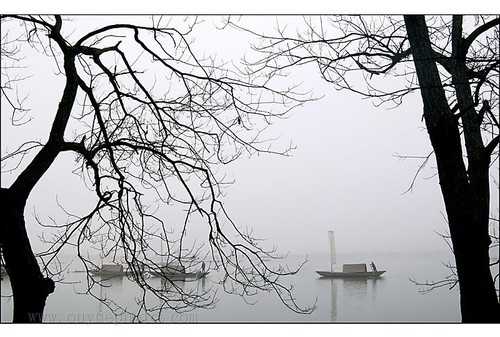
(452, 62)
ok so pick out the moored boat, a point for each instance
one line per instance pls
(350, 270)
(177, 272)
(109, 270)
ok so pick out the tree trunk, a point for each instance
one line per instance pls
(30, 289)
(468, 228)
(465, 196)
(478, 299)
(477, 286)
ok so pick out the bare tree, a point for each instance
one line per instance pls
(154, 123)
(453, 62)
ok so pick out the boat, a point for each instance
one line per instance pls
(177, 272)
(349, 270)
(109, 270)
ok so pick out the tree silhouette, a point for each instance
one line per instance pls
(154, 123)
(454, 65)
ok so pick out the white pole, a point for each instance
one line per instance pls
(332, 249)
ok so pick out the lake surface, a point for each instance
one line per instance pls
(392, 298)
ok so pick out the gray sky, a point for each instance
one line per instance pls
(342, 176)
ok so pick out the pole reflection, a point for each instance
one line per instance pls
(355, 295)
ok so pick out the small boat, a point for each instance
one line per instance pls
(109, 270)
(180, 276)
(351, 270)
(370, 274)
(176, 272)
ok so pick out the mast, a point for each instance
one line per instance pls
(332, 250)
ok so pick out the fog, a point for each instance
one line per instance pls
(344, 174)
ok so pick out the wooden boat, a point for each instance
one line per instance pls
(368, 274)
(351, 270)
(177, 272)
(180, 276)
(109, 270)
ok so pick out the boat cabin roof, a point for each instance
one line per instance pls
(354, 268)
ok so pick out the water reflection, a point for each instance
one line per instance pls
(203, 284)
(374, 289)
(355, 288)
(108, 288)
(347, 295)
(115, 282)
(169, 285)
(333, 295)
(338, 300)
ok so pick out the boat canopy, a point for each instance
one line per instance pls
(354, 268)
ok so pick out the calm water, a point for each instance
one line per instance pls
(392, 298)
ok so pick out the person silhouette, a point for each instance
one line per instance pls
(203, 266)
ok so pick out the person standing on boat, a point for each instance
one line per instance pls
(373, 266)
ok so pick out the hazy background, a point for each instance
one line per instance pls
(343, 174)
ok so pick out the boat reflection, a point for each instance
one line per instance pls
(169, 285)
(333, 298)
(355, 288)
(114, 282)
(350, 294)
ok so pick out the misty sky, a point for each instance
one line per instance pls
(343, 175)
